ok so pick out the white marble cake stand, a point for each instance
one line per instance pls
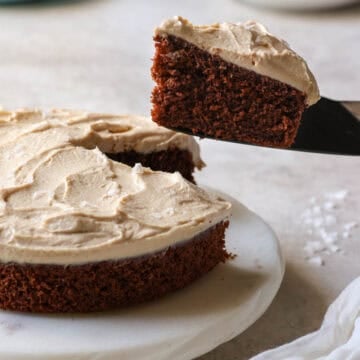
(181, 326)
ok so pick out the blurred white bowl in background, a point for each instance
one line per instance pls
(302, 4)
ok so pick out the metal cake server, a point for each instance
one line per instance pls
(329, 127)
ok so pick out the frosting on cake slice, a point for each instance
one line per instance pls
(248, 45)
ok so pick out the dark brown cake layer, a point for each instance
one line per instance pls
(203, 94)
(170, 160)
(110, 284)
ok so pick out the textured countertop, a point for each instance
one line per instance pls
(95, 55)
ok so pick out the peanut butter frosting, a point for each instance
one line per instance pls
(248, 45)
(63, 201)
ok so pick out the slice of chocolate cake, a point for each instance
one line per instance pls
(229, 81)
(80, 232)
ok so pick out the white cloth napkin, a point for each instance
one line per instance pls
(338, 337)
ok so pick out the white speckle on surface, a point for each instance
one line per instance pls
(10, 327)
(328, 237)
(101, 157)
(169, 212)
(112, 191)
(350, 225)
(317, 222)
(8, 234)
(138, 169)
(165, 213)
(312, 247)
(40, 194)
(316, 260)
(338, 195)
(85, 204)
(324, 227)
(330, 220)
(334, 248)
(329, 205)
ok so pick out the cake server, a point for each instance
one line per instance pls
(328, 127)
(331, 127)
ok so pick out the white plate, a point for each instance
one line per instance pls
(180, 326)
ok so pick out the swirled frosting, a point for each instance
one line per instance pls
(248, 45)
(63, 201)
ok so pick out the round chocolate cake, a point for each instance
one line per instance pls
(81, 232)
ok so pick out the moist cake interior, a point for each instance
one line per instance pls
(203, 93)
(170, 160)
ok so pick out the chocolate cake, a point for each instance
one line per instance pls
(230, 82)
(80, 232)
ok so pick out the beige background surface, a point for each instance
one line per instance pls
(96, 55)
